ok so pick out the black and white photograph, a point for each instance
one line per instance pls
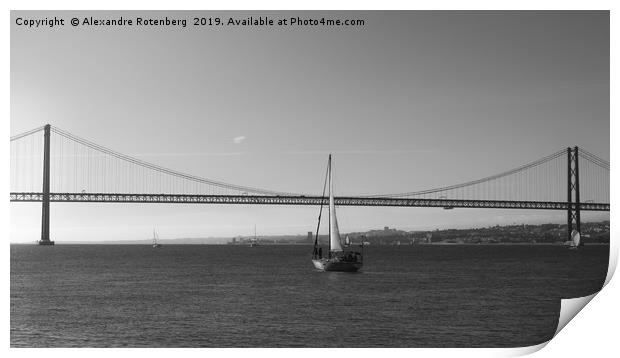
(306, 178)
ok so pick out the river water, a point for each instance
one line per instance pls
(270, 296)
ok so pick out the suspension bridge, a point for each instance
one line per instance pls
(68, 168)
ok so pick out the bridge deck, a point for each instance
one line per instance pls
(299, 200)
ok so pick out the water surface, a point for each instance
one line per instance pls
(270, 296)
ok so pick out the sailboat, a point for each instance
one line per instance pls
(337, 259)
(254, 241)
(155, 237)
(575, 239)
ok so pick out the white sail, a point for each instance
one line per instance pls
(334, 234)
(155, 238)
(575, 238)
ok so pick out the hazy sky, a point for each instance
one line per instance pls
(409, 101)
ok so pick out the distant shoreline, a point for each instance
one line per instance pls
(307, 244)
(593, 233)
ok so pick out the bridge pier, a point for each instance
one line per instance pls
(45, 214)
(574, 206)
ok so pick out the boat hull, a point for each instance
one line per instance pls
(336, 265)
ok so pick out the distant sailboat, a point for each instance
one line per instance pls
(254, 241)
(575, 240)
(337, 259)
(155, 238)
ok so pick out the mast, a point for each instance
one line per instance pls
(318, 224)
(329, 223)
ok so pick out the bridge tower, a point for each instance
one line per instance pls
(45, 215)
(574, 216)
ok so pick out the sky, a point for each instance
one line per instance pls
(411, 100)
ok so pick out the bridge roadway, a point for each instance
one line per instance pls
(299, 200)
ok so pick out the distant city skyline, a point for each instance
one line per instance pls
(299, 238)
(410, 101)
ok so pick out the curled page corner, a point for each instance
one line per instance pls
(523, 351)
(613, 262)
(569, 309)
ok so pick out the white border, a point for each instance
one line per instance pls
(592, 331)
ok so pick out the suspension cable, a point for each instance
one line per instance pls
(27, 133)
(486, 179)
(160, 169)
